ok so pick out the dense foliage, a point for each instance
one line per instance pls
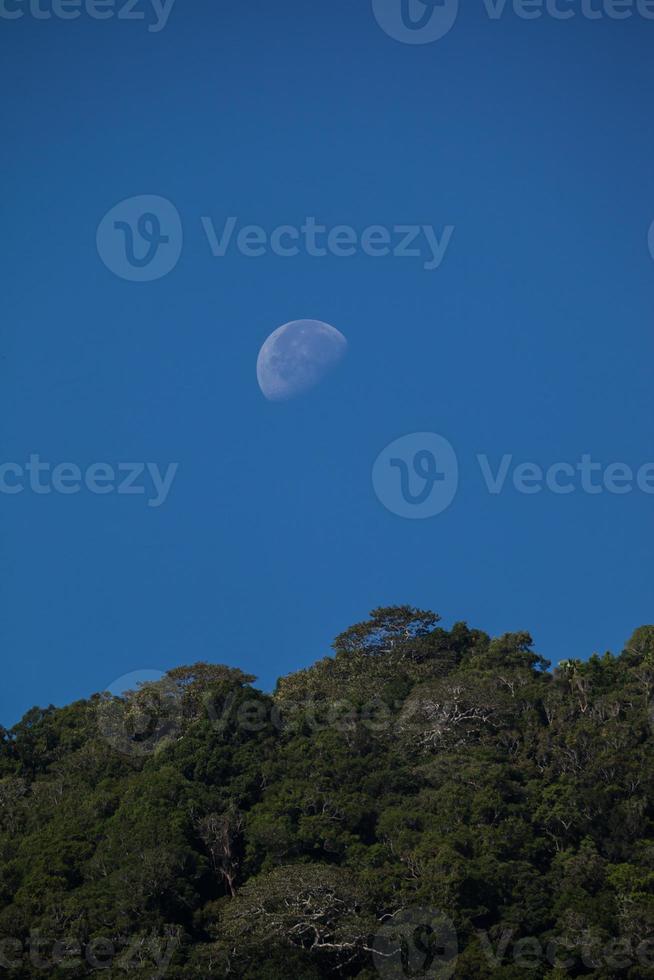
(425, 803)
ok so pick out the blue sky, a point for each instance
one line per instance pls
(534, 336)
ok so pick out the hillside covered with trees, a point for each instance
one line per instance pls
(423, 803)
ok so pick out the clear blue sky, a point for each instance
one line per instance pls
(535, 337)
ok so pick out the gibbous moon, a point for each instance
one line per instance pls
(297, 356)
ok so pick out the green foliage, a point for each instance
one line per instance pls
(197, 827)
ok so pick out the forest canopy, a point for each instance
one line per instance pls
(424, 802)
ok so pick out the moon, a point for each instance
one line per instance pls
(297, 356)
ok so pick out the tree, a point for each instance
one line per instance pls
(221, 835)
(418, 768)
(311, 907)
(390, 629)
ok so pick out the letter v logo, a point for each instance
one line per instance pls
(416, 21)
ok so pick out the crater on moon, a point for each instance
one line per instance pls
(297, 356)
